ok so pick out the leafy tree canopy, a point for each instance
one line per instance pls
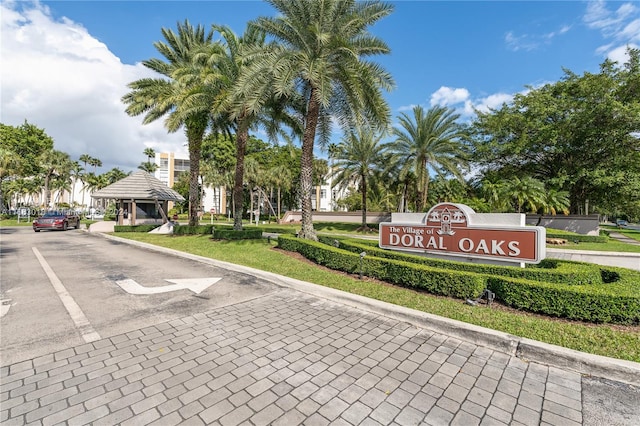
(28, 142)
(220, 150)
(580, 135)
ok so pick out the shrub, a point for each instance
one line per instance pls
(436, 281)
(192, 230)
(612, 294)
(570, 236)
(135, 228)
(230, 234)
(553, 271)
(604, 303)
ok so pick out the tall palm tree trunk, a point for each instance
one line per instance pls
(195, 134)
(425, 195)
(241, 146)
(306, 166)
(363, 179)
(278, 205)
(47, 192)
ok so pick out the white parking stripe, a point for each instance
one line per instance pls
(78, 317)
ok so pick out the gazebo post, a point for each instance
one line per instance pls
(120, 212)
(133, 212)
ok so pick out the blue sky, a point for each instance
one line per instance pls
(66, 63)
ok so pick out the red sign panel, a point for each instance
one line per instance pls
(448, 231)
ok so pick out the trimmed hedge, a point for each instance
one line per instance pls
(407, 274)
(192, 230)
(600, 304)
(230, 234)
(596, 301)
(135, 228)
(569, 236)
(562, 272)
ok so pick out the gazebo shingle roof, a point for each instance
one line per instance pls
(140, 186)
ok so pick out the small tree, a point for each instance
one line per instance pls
(358, 158)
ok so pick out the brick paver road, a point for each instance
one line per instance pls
(286, 358)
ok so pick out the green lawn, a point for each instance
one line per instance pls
(611, 245)
(336, 228)
(631, 233)
(608, 340)
(14, 222)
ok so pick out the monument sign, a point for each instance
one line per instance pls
(456, 230)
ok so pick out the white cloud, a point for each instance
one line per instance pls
(461, 100)
(494, 101)
(621, 26)
(446, 96)
(404, 108)
(620, 54)
(530, 42)
(60, 78)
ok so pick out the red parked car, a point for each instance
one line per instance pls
(56, 220)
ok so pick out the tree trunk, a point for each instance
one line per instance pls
(426, 191)
(278, 205)
(306, 166)
(241, 146)
(47, 193)
(250, 205)
(194, 137)
(423, 184)
(364, 203)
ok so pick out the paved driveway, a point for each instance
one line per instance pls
(289, 357)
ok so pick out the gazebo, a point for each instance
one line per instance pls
(139, 194)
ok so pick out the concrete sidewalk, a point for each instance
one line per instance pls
(313, 355)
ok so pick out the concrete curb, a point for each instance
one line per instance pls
(526, 349)
(602, 258)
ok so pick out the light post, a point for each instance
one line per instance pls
(362, 255)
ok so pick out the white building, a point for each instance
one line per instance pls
(171, 167)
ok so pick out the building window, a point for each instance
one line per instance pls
(181, 165)
(323, 193)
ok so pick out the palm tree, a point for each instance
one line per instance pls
(230, 108)
(556, 201)
(95, 162)
(319, 56)
(177, 95)
(280, 176)
(228, 66)
(115, 175)
(445, 190)
(429, 141)
(358, 158)
(150, 153)
(96, 182)
(84, 158)
(9, 166)
(148, 167)
(253, 179)
(493, 192)
(53, 163)
(525, 191)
